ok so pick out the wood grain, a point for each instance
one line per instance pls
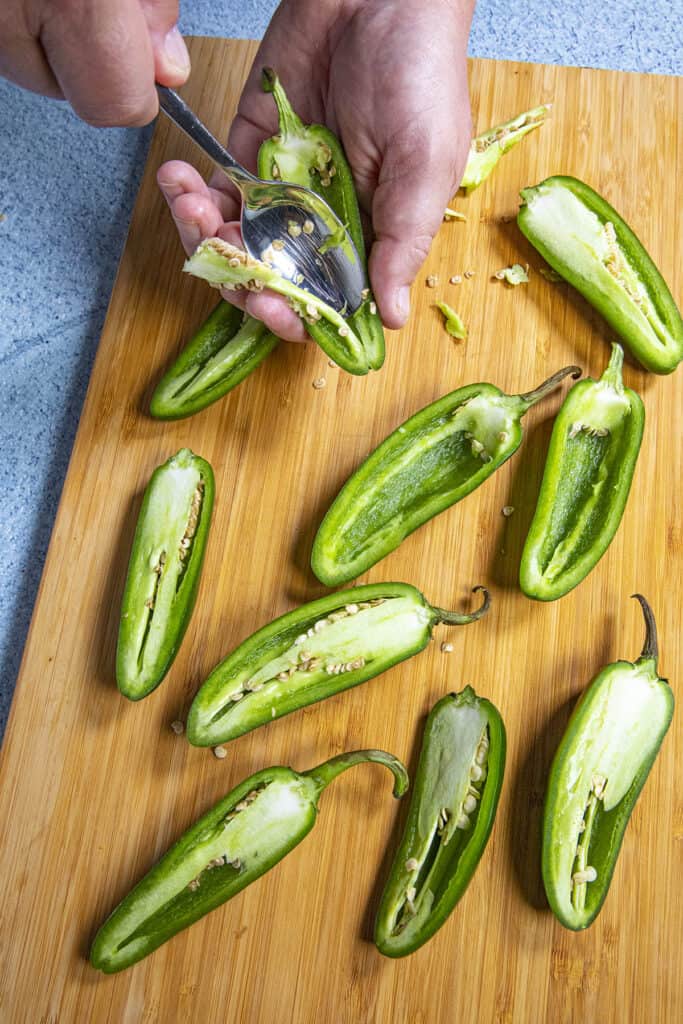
(94, 789)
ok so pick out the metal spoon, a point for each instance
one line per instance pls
(317, 253)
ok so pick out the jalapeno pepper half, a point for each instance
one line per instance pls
(586, 241)
(429, 463)
(236, 842)
(452, 810)
(312, 653)
(599, 769)
(225, 350)
(588, 472)
(487, 149)
(163, 572)
(312, 156)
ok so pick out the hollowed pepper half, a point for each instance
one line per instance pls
(599, 769)
(587, 478)
(236, 842)
(225, 350)
(452, 810)
(429, 463)
(312, 156)
(163, 572)
(585, 240)
(312, 653)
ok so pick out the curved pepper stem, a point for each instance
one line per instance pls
(456, 619)
(325, 773)
(650, 650)
(530, 398)
(612, 374)
(290, 123)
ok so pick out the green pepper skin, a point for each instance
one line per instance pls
(600, 767)
(242, 837)
(227, 348)
(429, 463)
(163, 572)
(462, 758)
(306, 155)
(586, 482)
(569, 224)
(312, 653)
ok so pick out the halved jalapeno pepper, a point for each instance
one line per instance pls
(312, 653)
(585, 240)
(588, 472)
(236, 842)
(163, 572)
(599, 769)
(452, 810)
(225, 350)
(429, 463)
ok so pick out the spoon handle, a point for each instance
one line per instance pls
(178, 111)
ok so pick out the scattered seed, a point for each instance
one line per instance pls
(508, 510)
(432, 281)
(412, 864)
(365, 293)
(178, 727)
(331, 362)
(446, 647)
(450, 214)
(469, 274)
(373, 308)
(456, 279)
(308, 226)
(294, 229)
(220, 753)
(319, 383)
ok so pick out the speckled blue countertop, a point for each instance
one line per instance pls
(60, 245)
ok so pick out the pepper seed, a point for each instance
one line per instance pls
(308, 226)
(220, 753)
(508, 510)
(432, 281)
(319, 383)
(178, 727)
(412, 864)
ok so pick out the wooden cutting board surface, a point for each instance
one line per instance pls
(94, 789)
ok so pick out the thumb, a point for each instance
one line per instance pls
(171, 59)
(420, 172)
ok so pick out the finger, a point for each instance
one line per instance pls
(171, 59)
(418, 176)
(22, 58)
(273, 310)
(196, 217)
(101, 56)
(175, 177)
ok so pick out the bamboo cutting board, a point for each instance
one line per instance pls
(94, 789)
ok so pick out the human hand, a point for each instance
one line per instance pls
(390, 78)
(103, 56)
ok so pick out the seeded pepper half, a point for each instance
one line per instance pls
(241, 838)
(487, 149)
(429, 463)
(452, 810)
(597, 774)
(225, 350)
(587, 478)
(312, 156)
(163, 572)
(585, 240)
(312, 653)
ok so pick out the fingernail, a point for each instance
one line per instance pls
(176, 51)
(403, 302)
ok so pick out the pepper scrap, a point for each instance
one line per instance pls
(236, 842)
(587, 478)
(487, 149)
(314, 652)
(163, 572)
(225, 266)
(429, 463)
(451, 814)
(600, 767)
(585, 240)
(227, 347)
(312, 156)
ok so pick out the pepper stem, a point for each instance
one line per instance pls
(456, 619)
(612, 374)
(650, 650)
(530, 398)
(329, 770)
(290, 122)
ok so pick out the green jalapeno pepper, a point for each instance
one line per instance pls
(588, 472)
(312, 156)
(451, 814)
(586, 241)
(429, 463)
(225, 350)
(313, 652)
(487, 149)
(163, 572)
(236, 842)
(599, 769)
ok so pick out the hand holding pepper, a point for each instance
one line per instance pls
(390, 78)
